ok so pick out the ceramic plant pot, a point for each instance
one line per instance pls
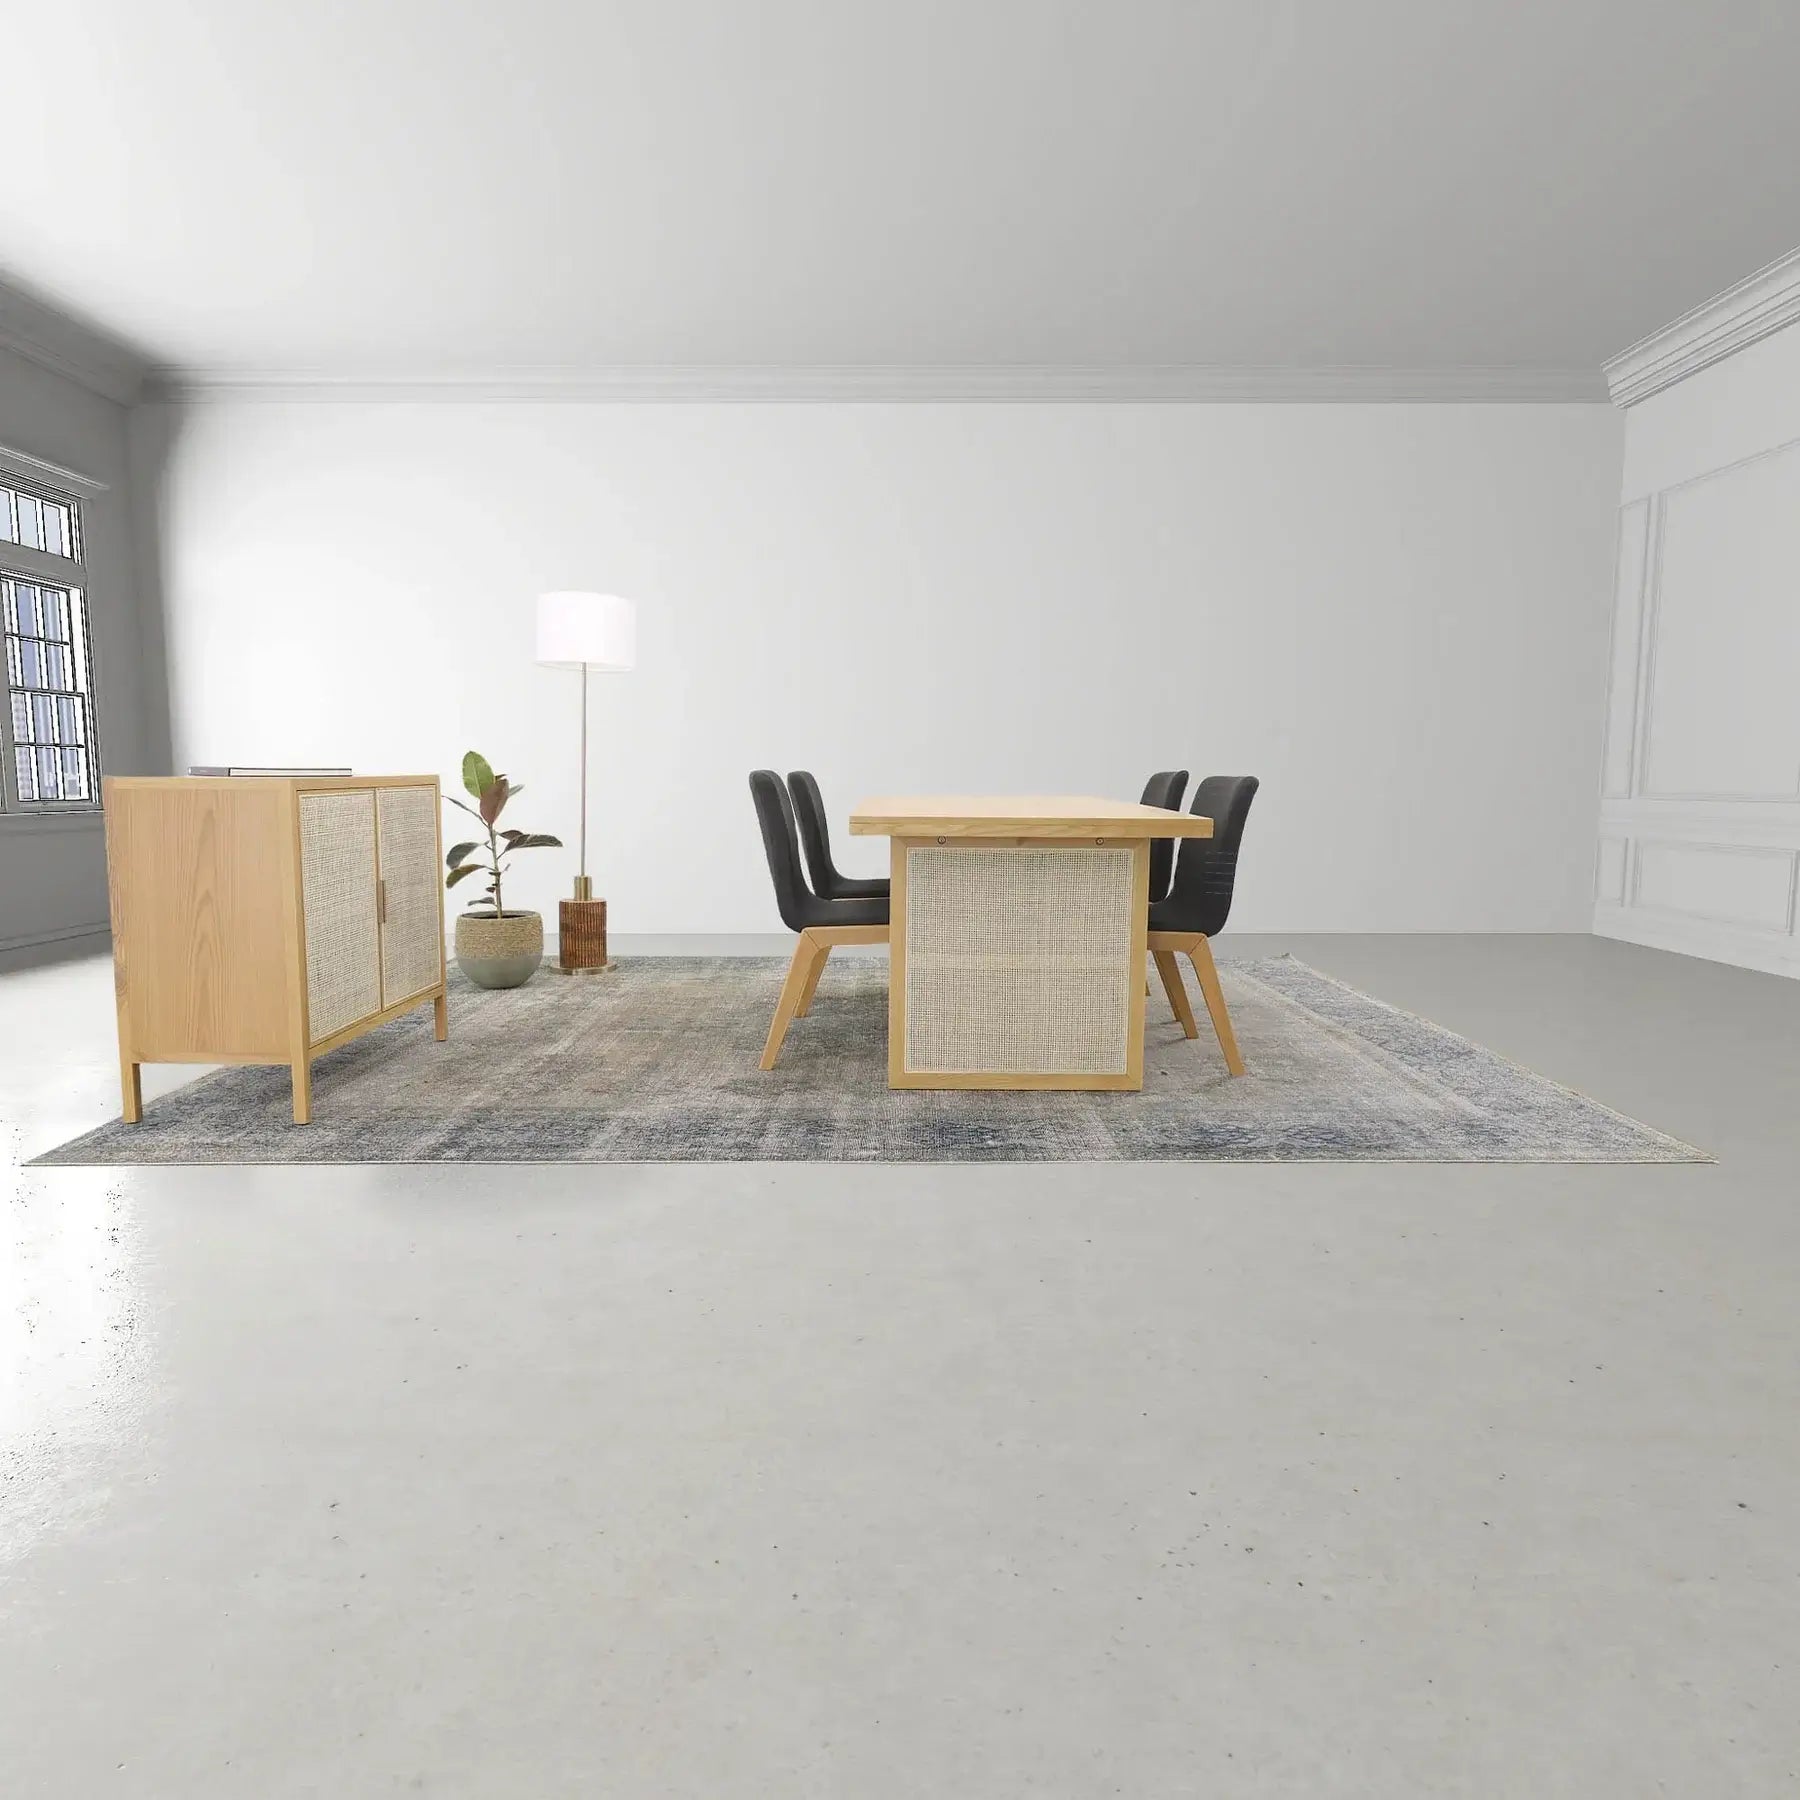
(502, 951)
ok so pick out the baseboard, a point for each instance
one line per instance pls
(1743, 948)
(34, 949)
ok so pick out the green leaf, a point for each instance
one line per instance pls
(478, 777)
(458, 853)
(457, 875)
(493, 798)
(535, 840)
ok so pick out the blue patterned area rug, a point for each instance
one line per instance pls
(657, 1063)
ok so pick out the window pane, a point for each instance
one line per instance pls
(56, 536)
(31, 522)
(9, 532)
(46, 669)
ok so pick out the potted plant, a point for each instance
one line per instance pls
(495, 948)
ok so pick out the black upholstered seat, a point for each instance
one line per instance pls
(1199, 898)
(828, 881)
(799, 906)
(1163, 789)
(1198, 904)
(823, 924)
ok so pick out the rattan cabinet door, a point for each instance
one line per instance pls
(337, 889)
(412, 930)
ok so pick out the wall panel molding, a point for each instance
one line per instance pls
(1745, 887)
(1700, 602)
(1620, 761)
(1667, 508)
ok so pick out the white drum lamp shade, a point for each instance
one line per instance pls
(586, 631)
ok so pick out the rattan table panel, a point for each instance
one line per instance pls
(1018, 960)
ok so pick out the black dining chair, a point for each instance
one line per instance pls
(1198, 903)
(822, 924)
(1163, 789)
(828, 881)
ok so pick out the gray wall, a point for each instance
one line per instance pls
(53, 869)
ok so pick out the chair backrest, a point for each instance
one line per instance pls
(1206, 869)
(815, 834)
(781, 844)
(1163, 789)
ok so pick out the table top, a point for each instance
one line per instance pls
(1020, 815)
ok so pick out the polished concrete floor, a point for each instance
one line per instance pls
(969, 1483)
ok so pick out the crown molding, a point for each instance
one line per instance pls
(56, 342)
(1166, 383)
(1757, 305)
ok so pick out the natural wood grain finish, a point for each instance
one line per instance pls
(1170, 971)
(811, 950)
(1048, 816)
(581, 934)
(209, 923)
(196, 918)
(1198, 950)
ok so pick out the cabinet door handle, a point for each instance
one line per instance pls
(380, 900)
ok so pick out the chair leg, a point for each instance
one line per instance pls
(807, 953)
(1201, 956)
(1170, 971)
(812, 982)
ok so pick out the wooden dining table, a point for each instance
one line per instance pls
(1017, 937)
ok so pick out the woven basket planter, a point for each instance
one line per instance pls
(501, 952)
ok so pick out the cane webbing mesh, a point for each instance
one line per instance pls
(1018, 961)
(337, 883)
(411, 953)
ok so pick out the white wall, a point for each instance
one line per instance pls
(1700, 822)
(53, 870)
(1395, 615)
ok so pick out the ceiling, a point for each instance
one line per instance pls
(424, 187)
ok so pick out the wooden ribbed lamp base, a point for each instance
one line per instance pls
(581, 938)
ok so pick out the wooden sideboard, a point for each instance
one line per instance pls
(269, 919)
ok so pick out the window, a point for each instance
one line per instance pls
(37, 522)
(47, 727)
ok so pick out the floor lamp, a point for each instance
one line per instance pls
(585, 632)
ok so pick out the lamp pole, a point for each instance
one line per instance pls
(584, 886)
(585, 631)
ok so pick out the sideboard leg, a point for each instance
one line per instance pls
(131, 1089)
(442, 1009)
(303, 1091)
